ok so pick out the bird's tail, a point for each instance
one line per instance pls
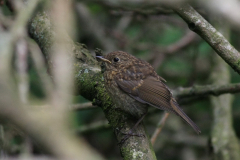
(180, 112)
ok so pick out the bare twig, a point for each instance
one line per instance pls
(185, 41)
(159, 128)
(83, 106)
(94, 126)
(129, 9)
(187, 139)
(206, 90)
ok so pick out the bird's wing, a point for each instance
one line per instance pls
(154, 92)
(149, 90)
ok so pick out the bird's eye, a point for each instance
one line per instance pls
(116, 59)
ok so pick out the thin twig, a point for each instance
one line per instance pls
(159, 127)
(185, 41)
(94, 126)
(83, 106)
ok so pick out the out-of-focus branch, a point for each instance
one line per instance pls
(92, 26)
(229, 10)
(159, 128)
(94, 126)
(175, 47)
(60, 58)
(118, 8)
(186, 40)
(223, 138)
(23, 83)
(21, 64)
(215, 39)
(183, 138)
(83, 106)
(19, 25)
(73, 107)
(42, 126)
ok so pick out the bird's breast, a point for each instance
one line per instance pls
(109, 76)
(121, 98)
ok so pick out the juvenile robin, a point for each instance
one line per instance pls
(135, 85)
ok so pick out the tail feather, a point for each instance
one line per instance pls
(180, 112)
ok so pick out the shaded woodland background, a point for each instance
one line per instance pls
(152, 32)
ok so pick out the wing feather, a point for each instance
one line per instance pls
(149, 90)
(155, 93)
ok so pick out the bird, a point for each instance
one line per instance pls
(135, 85)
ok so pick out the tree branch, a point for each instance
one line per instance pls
(206, 90)
(215, 39)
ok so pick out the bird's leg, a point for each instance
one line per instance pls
(130, 132)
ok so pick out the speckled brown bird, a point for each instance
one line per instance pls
(135, 85)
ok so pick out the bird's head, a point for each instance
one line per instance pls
(117, 60)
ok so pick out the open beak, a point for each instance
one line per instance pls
(103, 59)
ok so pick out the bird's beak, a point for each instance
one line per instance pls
(103, 59)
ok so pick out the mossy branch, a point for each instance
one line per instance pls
(89, 83)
